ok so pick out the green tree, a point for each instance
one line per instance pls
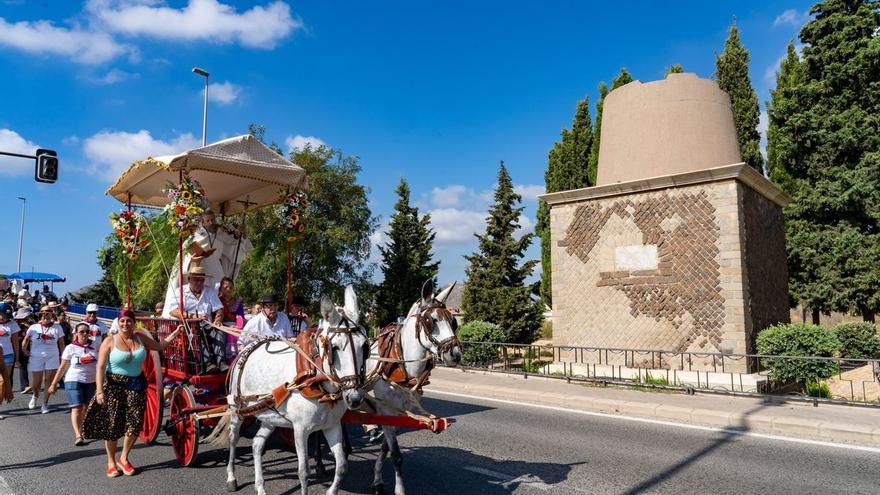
(622, 78)
(406, 259)
(495, 291)
(567, 168)
(103, 291)
(826, 154)
(674, 69)
(333, 250)
(732, 71)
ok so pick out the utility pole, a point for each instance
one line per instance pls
(20, 233)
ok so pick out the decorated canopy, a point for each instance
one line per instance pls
(231, 172)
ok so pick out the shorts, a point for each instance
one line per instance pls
(78, 393)
(43, 362)
(9, 359)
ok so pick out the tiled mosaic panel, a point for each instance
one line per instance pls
(766, 265)
(678, 305)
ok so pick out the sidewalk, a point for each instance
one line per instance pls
(770, 415)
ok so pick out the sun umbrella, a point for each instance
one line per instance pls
(36, 277)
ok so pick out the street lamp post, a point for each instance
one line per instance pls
(204, 73)
(20, 233)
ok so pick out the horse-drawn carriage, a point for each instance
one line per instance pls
(235, 176)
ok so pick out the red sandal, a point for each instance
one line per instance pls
(112, 472)
(126, 468)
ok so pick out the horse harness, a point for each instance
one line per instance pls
(392, 365)
(312, 351)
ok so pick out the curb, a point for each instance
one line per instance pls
(795, 427)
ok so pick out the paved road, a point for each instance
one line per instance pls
(494, 448)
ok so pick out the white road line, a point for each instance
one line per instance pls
(509, 479)
(731, 431)
(4, 487)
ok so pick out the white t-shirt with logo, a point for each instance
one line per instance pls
(260, 326)
(83, 363)
(97, 332)
(44, 341)
(7, 330)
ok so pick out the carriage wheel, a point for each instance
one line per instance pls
(155, 399)
(287, 436)
(185, 427)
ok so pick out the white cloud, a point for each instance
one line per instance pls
(763, 123)
(113, 76)
(299, 142)
(791, 17)
(12, 142)
(111, 152)
(44, 38)
(205, 20)
(449, 196)
(223, 93)
(454, 226)
(71, 140)
(529, 192)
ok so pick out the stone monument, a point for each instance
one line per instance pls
(680, 246)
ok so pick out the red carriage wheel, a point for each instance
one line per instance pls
(185, 427)
(287, 436)
(155, 398)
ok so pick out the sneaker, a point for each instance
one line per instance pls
(33, 403)
(27, 390)
(44, 409)
(2, 417)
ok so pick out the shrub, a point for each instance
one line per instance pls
(475, 332)
(798, 340)
(547, 329)
(858, 340)
(818, 389)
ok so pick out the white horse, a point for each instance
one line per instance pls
(428, 331)
(272, 363)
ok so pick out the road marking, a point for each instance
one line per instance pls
(4, 487)
(731, 431)
(509, 479)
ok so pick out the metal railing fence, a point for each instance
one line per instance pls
(807, 378)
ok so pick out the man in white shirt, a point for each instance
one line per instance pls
(268, 323)
(201, 302)
(97, 329)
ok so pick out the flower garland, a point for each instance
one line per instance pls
(289, 211)
(129, 226)
(185, 202)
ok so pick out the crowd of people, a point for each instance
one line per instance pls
(99, 367)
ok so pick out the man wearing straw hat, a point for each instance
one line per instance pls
(201, 302)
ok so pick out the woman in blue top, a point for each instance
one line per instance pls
(118, 408)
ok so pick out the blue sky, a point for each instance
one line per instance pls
(437, 92)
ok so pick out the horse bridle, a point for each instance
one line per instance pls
(425, 325)
(347, 328)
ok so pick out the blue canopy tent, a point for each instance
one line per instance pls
(36, 277)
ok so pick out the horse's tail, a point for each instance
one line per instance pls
(219, 437)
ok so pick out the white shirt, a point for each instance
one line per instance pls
(207, 304)
(97, 332)
(260, 326)
(7, 330)
(44, 341)
(83, 363)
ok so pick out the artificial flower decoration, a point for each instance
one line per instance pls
(289, 210)
(130, 227)
(185, 203)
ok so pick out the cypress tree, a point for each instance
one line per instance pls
(622, 78)
(826, 154)
(567, 168)
(732, 70)
(406, 258)
(495, 289)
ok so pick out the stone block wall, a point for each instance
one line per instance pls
(667, 269)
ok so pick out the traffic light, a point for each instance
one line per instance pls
(46, 169)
